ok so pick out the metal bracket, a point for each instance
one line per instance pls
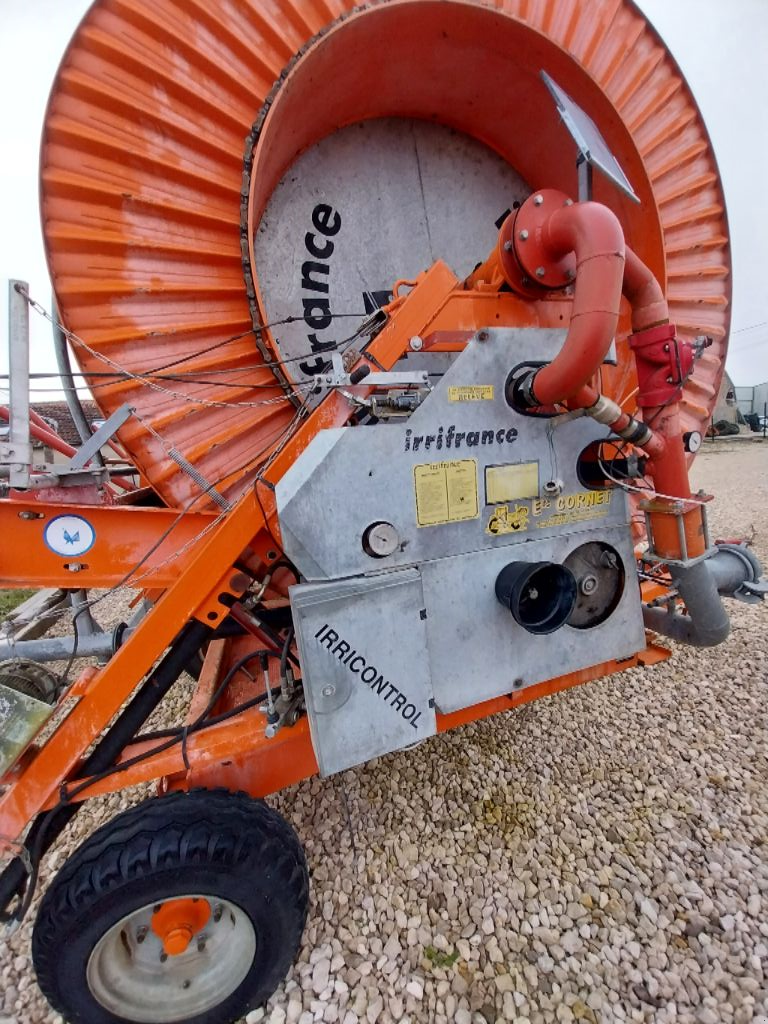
(288, 712)
(337, 376)
(100, 437)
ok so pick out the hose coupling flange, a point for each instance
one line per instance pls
(518, 389)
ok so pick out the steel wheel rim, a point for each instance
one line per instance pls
(127, 976)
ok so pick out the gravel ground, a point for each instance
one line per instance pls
(597, 856)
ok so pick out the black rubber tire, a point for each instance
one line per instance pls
(211, 842)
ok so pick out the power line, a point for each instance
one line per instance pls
(751, 327)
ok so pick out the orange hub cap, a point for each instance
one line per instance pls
(178, 921)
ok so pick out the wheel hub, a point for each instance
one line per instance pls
(156, 965)
(177, 922)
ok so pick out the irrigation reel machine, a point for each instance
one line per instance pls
(411, 379)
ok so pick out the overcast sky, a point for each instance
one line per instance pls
(721, 46)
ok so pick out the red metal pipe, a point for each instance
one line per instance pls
(594, 234)
(649, 309)
(39, 430)
(644, 293)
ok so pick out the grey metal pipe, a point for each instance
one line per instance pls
(733, 566)
(97, 645)
(19, 442)
(68, 384)
(700, 586)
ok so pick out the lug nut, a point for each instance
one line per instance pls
(507, 246)
(538, 200)
(141, 934)
(540, 271)
(523, 235)
(201, 943)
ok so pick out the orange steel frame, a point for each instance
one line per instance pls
(202, 584)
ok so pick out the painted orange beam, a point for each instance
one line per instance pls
(161, 539)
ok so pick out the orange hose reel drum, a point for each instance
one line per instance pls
(142, 162)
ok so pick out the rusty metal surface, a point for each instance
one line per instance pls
(142, 172)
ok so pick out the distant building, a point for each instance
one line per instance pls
(57, 416)
(727, 407)
(754, 399)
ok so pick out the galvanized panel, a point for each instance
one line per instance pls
(476, 649)
(365, 474)
(364, 666)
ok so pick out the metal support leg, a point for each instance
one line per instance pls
(18, 452)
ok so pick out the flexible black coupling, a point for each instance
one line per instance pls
(636, 432)
(518, 389)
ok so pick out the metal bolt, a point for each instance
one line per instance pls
(329, 380)
(540, 271)
(666, 348)
(416, 343)
(507, 246)
(75, 567)
(201, 943)
(517, 683)
(482, 335)
(328, 691)
(186, 983)
(538, 200)
(570, 273)
(525, 282)
(588, 585)
(568, 202)
(218, 910)
(670, 380)
(141, 934)
(523, 235)
(163, 957)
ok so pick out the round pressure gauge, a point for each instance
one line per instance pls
(692, 441)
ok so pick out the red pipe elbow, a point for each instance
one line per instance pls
(644, 294)
(594, 234)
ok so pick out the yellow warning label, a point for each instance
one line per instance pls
(507, 483)
(508, 520)
(471, 393)
(446, 492)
